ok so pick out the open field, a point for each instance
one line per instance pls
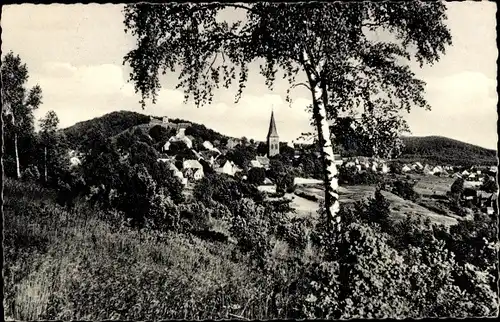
(349, 194)
(432, 185)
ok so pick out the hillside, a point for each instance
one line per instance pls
(430, 149)
(437, 149)
(83, 133)
(116, 124)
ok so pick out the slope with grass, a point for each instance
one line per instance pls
(77, 266)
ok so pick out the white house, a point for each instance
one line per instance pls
(179, 137)
(465, 173)
(228, 168)
(384, 168)
(192, 164)
(405, 168)
(267, 186)
(177, 173)
(419, 165)
(198, 174)
(437, 169)
(208, 145)
(349, 164)
(256, 164)
(264, 160)
(428, 170)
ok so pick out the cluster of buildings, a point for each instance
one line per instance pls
(365, 164)
(486, 201)
(192, 169)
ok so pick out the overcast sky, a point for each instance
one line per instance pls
(75, 53)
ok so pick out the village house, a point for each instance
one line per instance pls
(267, 186)
(176, 172)
(228, 168)
(384, 168)
(428, 170)
(208, 145)
(437, 169)
(405, 168)
(264, 161)
(232, 143)
(192, 169)
(255, 164)
(179, 137)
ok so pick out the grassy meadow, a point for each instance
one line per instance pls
(75, 265)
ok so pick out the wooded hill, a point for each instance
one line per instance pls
(442, 150)
(430, 149)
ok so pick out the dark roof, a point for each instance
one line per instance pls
(272, 127)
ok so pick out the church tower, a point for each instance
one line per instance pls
(273, 140)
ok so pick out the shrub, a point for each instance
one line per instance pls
(251, 230)
(31, 173)
(404, 189)
(163, 215)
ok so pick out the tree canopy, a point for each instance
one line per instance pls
(329, 43)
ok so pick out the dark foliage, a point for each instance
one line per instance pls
(82, 134)
(256, 176)
(444, 150)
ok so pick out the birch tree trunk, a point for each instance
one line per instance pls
(45, 165)
(332, 204)
(1, 161)
(18, 167)
(320, 99)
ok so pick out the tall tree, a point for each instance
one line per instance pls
(328, 43)
(48, 136)
(18, 102)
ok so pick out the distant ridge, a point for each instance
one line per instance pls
(439, 149)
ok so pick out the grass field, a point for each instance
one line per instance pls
(399, 206)
(432, 185)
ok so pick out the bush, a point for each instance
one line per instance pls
(404, 189)
(251, 230)
(370, 279)
(256, 176)
(31, 173)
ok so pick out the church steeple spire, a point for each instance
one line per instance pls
(272, 127)
(273, 140)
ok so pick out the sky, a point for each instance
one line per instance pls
(75, 53)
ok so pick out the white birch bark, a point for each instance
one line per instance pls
(18, 167)
(330, 169)
(45, 162)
